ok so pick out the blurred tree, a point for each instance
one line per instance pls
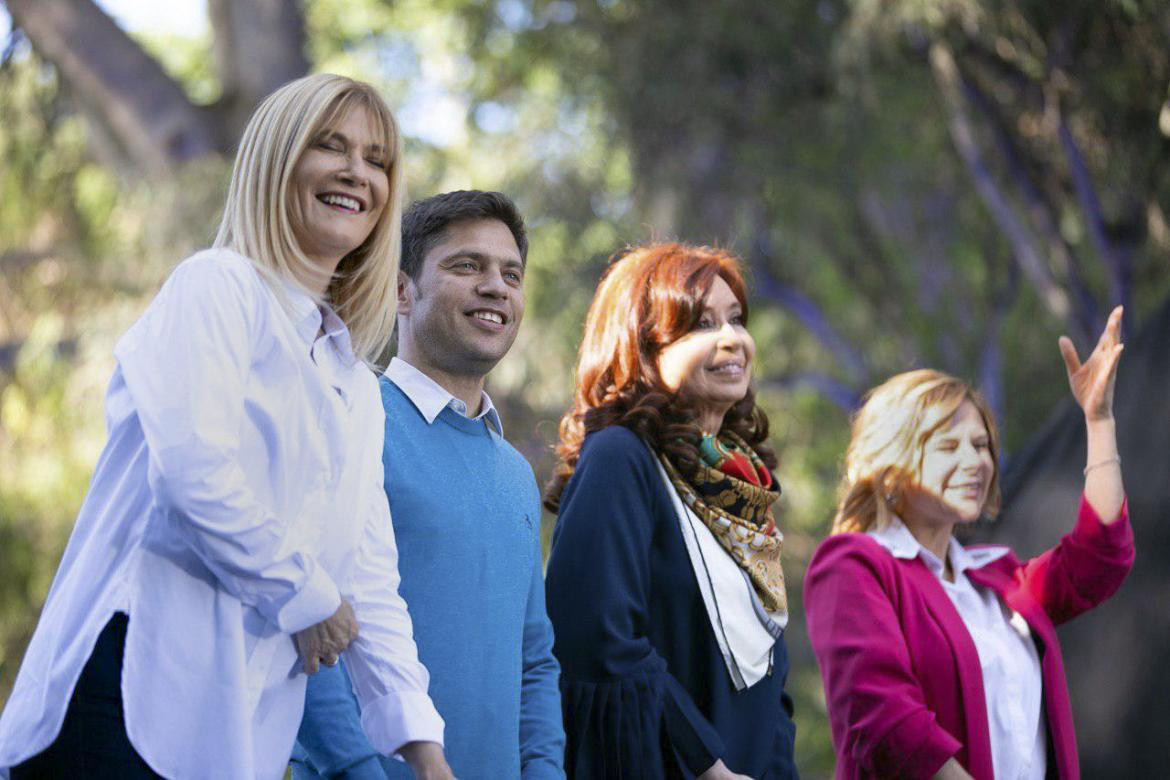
(141, 112)
(950, 183)
(850, 134)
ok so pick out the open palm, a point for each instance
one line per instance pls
(1092, 381)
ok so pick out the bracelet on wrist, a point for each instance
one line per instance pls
(1115, 459)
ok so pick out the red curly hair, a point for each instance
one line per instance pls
(650, 297)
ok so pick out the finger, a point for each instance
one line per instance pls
(329, 660)
(1072, 363)
(1114, 359)
(311, 665)
(1112, 333)
(345, 638)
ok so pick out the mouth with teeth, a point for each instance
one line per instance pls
(493, 320)
(346, 203)
(730, 369)
(973, 489)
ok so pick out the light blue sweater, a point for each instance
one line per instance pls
(466, 514)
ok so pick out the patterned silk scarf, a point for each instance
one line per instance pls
(732, 492)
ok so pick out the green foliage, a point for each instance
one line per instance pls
(81, 249)
(811, 136)
(188, 60)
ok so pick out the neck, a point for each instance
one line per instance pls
(710, 420)
(468, 388)
(318, 277)
(936, 538)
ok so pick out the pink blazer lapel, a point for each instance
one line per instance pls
(1057, 707)
(970, 673)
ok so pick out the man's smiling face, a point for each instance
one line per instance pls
(463, 311)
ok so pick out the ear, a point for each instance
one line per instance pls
(405, 292)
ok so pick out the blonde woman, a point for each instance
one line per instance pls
(235, 535)
(939, 660)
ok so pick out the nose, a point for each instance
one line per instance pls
(730, 337)
(353, 173)
(971, 459)
(492, 284)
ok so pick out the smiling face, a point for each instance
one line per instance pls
(340, 187)
(956, 474)
(711, 366)
(460, 317)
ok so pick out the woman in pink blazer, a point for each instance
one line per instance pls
(941, 661)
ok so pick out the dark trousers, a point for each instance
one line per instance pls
(93, 741)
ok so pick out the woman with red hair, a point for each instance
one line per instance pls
(664, 583)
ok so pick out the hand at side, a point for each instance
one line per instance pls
(326, 640)
(719, 771)
(427, 760)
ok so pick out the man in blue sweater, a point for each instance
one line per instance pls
(466, 513)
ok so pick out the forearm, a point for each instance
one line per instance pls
(542, 733)
(388, 679)
(1103, 486)
(427, 760)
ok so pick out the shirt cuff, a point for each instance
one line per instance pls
(317, 600)
(916, 748)
(397, 718)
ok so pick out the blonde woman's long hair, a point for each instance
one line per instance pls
(260, 217)
(887, 446)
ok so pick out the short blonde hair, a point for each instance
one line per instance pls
(887, 446)
(260, 216)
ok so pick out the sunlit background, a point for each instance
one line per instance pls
(951, 183)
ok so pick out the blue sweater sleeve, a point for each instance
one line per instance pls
(331, 736)
(622, 706)
(542, 736)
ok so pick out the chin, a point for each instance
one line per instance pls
(729, 399)
(969, 516)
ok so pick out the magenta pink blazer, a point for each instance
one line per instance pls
(902, 677)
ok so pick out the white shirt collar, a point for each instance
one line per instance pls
(431, 398)
(311, 318)
(900, 543)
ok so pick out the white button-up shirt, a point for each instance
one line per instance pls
(238, 500)
(1012, 684)
(430, 397)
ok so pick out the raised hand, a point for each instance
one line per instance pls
(1092, 381)
(323, 642)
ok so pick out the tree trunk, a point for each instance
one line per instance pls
(117, 83)
(144, 114)
(259, 45)
(1029, 257)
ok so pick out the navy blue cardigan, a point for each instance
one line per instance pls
(644, 689)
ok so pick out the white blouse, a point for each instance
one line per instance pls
(1012, 684)
(238, 500)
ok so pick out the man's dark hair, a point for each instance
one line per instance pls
(425, 221)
